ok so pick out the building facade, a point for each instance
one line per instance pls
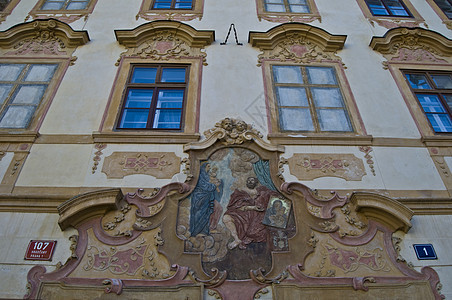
(199, 149)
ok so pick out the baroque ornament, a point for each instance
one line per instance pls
(298, 49)
(164, 46)
(233, 131)
(44, 41)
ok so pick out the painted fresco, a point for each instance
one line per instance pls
(235, 216)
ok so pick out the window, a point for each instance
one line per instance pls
(64, 4)
(388, 8)
(283, 11)
(172, 4)
(433, 90)
(309, 99)
(6, 7)
(446, 7)
(22, 88)
(4, 4)
(176, 10)
(296, 6)
(154, 97)
(64, 10)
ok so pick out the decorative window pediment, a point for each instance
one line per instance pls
(164, 40)
(297, 42)
(413, 45)
(41, 38)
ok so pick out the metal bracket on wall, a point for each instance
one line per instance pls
(232, 26)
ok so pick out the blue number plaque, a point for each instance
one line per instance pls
(425, 251)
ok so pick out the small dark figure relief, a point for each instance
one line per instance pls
(235, 216)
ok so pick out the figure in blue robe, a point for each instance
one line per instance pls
(202, 203)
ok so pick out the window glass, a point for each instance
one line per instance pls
(287, 74)
(155, 98)
(295, 6)
(65, 4)
(442, 81)
(22, 88)
(388, 8)
(309, 99)
(4, 4)
(434, 93)
(445, 6)
(172, 4)
(144, 75)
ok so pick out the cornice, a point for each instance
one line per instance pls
(25, 31)
(384, 210)
(270, 39)
(412, 38)
(132, 38)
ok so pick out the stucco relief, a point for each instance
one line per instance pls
(42, 38)
(164, 40)
(235, 228)
(309, 166)
(299, 43)
(413, 45)
(162, 165)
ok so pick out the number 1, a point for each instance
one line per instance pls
(425, 250)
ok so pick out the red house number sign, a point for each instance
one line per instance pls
(40, 250)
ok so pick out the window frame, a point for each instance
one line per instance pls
(155, 87)
(307, 86)
(173, 3)
(350, 107)
(434, 91)
(47, 98)
(64, 15)
(148, 13)
(284, 17)
(190, 119)
(390, 21)
(8, 10)
(441, 14)
(410, 15)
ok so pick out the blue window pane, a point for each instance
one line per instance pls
(445, 6)
(418, 81)
(137, 98)
(430, 103)
(74, 5)
(183, 4)
(295, 119)
(396, 8)
(162, 4)
(134, 118)
(377, 8)
(144, 75)
(173, 75)
(167, 118)
(440, 122)
(170, 99)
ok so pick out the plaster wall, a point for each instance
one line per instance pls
(18, 230)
